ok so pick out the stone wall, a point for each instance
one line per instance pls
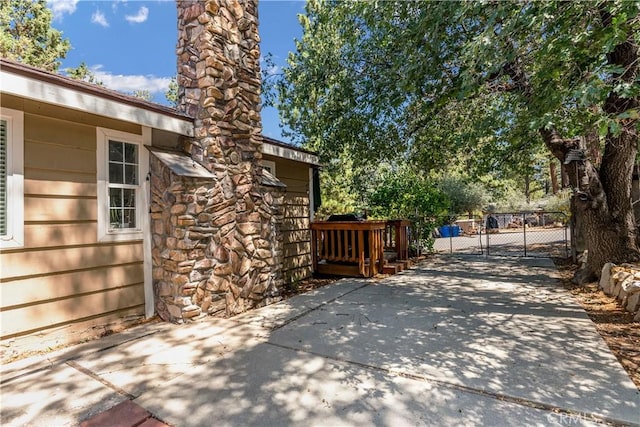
(623, 283)
(216, 248)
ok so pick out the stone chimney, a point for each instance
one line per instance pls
(216, 244)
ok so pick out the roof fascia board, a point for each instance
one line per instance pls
(50, 93)
(289, 153)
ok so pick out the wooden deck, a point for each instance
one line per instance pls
(359, 248)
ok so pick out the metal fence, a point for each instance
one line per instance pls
(529, 234)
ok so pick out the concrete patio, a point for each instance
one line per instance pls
(454, 341)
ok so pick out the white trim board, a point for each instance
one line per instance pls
(30, 88)
(289, 153)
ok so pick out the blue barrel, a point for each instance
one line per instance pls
(450, 231)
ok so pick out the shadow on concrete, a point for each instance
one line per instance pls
(455, 341)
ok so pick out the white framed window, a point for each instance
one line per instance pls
(123, 165)
(269, 166)
(11, 178)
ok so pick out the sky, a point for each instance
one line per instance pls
(130, 44)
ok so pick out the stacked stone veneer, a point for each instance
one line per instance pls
(216, 244)
(623, 283)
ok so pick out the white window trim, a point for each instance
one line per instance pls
(15, 178)
(103, 137)
(271, 165)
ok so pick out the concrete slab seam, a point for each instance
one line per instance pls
(101, 380)
(494, 395)
(66, 360)
(126, 341)
(311, 310)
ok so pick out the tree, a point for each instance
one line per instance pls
(402, 193)
(172, 92)
(143, 94)
(26, 34)
(82, 72)
(498, 79)
(464, 197)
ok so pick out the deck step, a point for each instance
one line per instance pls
(393, 267)
(390, 269)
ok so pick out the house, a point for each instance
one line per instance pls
(92, 243)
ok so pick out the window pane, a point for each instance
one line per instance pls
(115, 218)
(129, 200)
(131, 153)
(116, 171)
(129, 218)
(123, 171)
(115, 151)
(131, 174)
(115, 197)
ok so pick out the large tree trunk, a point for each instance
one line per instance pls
(553, 174)
(602, 201)
(603, 196)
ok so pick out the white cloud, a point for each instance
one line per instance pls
(116, 3)
(99, 18)
(129, 83)
(140, 17)
(60, 7)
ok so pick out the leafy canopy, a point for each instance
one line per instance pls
(26, 34)
(424, 82)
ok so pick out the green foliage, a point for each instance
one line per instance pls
(82, 72)
(560, 203)
(401, 193)
(443, 84)
(463, 196)
(342, 186)
(510, 200)
(405, 194)
(26, 34)
(143, 94)
(172, 92)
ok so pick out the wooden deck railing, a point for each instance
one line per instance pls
(356, 248)
(348, 248)
(397, 238)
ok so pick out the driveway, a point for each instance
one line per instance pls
(538, 241)
(454, 341)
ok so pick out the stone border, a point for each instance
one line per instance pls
(623, 283)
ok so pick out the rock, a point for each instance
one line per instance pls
(175, 312)
(633, 302)
(191, 311)
(633, 287)
(605, 277)
(164, 289)
(222, 270)
(204, 263)
(583, 276)
(221, 254)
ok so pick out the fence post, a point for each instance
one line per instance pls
(566, 246)
(486, 233)
(524, 232)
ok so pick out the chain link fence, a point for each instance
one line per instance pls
(518, 234)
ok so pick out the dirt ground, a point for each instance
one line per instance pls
(615, 325)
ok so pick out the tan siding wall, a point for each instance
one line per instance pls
(296, 226)
(63, 283)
